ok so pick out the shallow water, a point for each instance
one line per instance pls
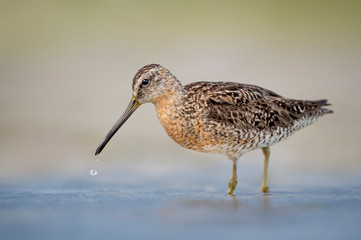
(78, 210)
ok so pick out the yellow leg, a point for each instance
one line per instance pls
(233, 181)
(264, 187)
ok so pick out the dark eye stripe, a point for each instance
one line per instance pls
(145, 81)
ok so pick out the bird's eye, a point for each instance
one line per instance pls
(145, 81)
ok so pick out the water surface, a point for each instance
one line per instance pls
(78, 210)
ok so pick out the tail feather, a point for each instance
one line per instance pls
(313, 110)
(319, 104)
(296, 109)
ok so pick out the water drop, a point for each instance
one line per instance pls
(93, 172)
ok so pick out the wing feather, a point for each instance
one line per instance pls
(251, 107)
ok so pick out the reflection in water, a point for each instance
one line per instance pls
(266, 200)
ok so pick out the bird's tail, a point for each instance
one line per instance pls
(319, 105)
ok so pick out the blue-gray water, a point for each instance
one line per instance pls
(149, 210)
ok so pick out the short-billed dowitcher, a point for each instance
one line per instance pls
(219, 117)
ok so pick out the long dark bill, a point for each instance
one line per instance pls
(133, 105)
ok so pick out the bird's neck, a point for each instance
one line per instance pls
(168, 107)
(171, 95)
(170, 99)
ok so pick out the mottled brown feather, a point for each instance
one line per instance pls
(251, 107)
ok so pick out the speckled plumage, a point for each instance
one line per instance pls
(220, 117)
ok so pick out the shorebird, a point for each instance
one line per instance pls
(227, 118)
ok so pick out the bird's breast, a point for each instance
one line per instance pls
(184, 125)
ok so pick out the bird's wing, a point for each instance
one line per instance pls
(251, 107)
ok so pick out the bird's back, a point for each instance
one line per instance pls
(248, 116)
(251, 107)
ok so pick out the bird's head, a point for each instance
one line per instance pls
(149, 84)
(152, 82)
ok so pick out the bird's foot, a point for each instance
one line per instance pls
(232, 185)
(264, 189)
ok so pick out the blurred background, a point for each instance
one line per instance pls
(66, 69)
